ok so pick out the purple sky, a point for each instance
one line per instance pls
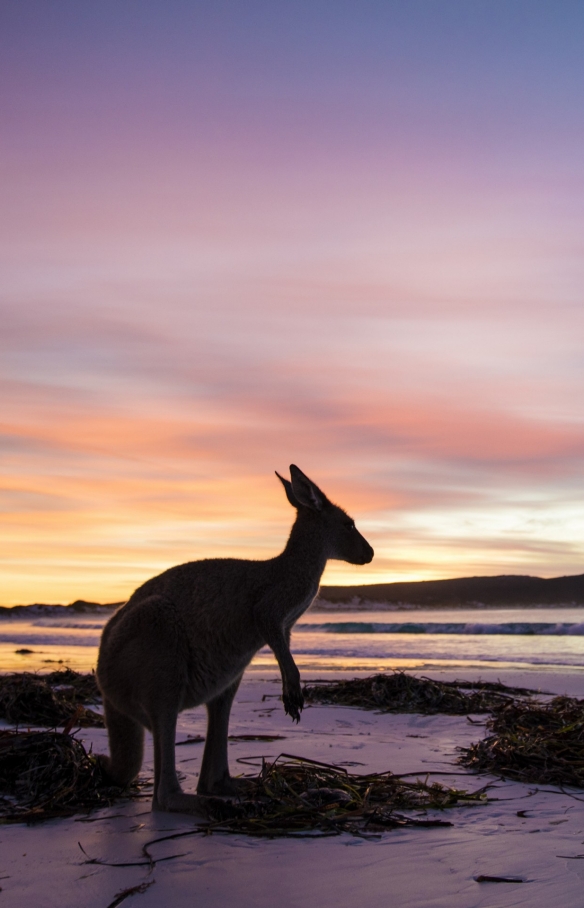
(238, 235)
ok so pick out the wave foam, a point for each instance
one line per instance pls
(524, 628)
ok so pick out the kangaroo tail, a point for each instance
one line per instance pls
(126, 741)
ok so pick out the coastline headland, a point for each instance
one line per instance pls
(79, 607)
(502, 591)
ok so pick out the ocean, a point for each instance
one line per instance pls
(543, 638)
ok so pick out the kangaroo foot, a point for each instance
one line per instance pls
(121, 777)
(244, 786)
(226, 787)
(179, 802)
(205, 808)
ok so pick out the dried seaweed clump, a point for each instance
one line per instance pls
(52, 700)
(84, 686)
(538, 742)
(48, 774)
(399, 692)
(297, 797)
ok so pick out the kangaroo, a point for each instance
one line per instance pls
(185, 638)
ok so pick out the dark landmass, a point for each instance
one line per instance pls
(510, 590)
(80, 606)
(463, 592)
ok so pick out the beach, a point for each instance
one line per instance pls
(291, 346)
(529, 832)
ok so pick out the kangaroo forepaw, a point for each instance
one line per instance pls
(293, 704)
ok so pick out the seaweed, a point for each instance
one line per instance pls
(399, 692)
(50, 774)
(293, 796)
(533, 742)
(84, 685)
(52, 699)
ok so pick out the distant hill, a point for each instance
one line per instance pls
(506, 589)
(80, 606)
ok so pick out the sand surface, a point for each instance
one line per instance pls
(44, 866)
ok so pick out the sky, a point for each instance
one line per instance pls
(235, 236)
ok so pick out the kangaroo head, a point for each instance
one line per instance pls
(343, 540)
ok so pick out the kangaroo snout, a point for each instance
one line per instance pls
(366, 555)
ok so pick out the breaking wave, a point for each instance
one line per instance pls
(523, 628)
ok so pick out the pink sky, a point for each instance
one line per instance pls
(236, 236)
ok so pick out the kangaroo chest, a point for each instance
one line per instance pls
(298, 610)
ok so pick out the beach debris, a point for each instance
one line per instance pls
(132, 890)
(52, 699)
(482, 878)
(399, 692)
(296, 797)
(50, 774)
(199, 739)
(148, 860)
(533, 742)
(191, 739)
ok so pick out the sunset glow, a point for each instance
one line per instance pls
(241, 235)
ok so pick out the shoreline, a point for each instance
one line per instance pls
(356, 605)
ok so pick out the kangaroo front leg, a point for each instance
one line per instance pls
(215, 778)
(292, 697)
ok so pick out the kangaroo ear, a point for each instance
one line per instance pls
(305, 491)
(289, 493)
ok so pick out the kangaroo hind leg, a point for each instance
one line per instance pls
(168, 794)
(214, 778)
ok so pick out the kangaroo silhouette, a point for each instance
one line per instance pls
(185, 637)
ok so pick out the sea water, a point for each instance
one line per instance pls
(542, 638)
